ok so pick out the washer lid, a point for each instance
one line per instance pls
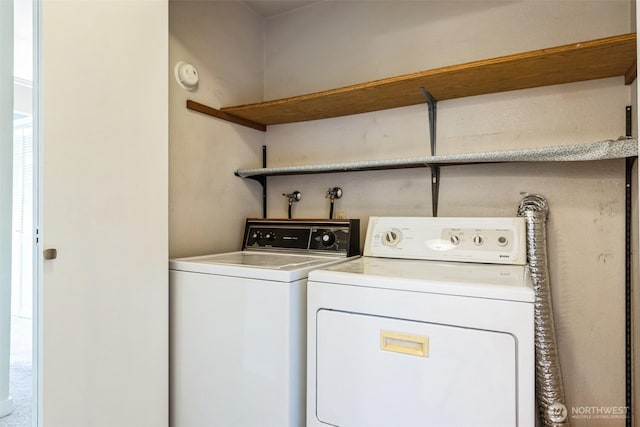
(260, 265)
(504, 282)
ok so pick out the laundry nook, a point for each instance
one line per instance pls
(314, 213)
(428, 111)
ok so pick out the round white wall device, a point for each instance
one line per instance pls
(186, 75)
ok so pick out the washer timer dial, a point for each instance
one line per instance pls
(328, 239)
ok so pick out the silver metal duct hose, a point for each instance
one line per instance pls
(549, 388)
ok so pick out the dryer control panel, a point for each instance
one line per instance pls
(482, 240)
(328, 237)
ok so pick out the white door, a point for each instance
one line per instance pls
(6, 174)
(103, 194)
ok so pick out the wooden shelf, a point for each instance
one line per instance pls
(594, 59)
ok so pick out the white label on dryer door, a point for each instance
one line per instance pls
(380, 372)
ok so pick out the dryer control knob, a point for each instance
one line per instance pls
(391, 237)
(454, 239)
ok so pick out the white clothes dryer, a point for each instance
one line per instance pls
(398, 339)
(238, 324)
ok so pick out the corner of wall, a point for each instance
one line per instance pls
(225, 42)
(264, 58)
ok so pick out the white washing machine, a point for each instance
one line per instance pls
(238, 324)
(398, 339)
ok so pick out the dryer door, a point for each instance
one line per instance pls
(376, 371)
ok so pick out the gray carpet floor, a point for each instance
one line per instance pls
(20, 377)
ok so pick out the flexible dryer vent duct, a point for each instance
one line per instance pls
(549, 388)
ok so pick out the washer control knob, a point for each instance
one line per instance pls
(328, 239)
(270, 235)
(257, 235)
(478, 240)
(454, 239)
(391, 237)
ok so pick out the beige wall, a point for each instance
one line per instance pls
(331, 44)
(207, 203)
(336, 43)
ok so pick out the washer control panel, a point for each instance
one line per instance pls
(329, 237)
(483, 240)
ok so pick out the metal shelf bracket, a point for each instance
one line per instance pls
(435, 189)
(628, 288)
(432, 104)
(628, 297)
(262, 179)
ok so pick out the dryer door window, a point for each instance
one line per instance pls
(376, 371)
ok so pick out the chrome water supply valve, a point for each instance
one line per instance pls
(296, 196)
(333, 194)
